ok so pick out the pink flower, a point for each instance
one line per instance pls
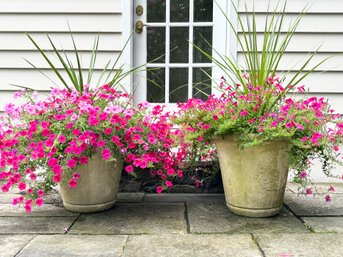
(332, 188)
(71, 163)
(33, 176)
(308, 191)
(62, 139)
(28, 208)
(76, 132)
(101, 143)
(129, 168)
(303, 175)
(76, 176)
(57, 178)
(40, 193)
(169, 183)
(328, 198)
(199, 139)
(273, 124)
(72, 183)
(106, 154)
(243, 113)
(22, 186)
(108, 131)
(39, 201)
(159, 189)
(83, 160)
(136, 137)
(15, 201)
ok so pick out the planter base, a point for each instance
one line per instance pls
(254, 213)
(88, 208)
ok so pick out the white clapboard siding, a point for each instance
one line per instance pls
(15, 59)
(84, 41)
(36, 80)
(321, 26)
(59, 22)
(294, 6)
(305, 42)
(60, 6)
(87, 19)
(294, 61)
(310, 23)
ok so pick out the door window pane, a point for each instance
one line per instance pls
(178, 85)
(156, 85)
(202, 39)
(179, 10)
(156, 10)
(202, 82)
(179, 44)
(156, 44)
(203, 10)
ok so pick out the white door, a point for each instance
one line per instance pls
(175, 67)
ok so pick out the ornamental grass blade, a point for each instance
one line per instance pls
(67, 68)
(49, 62)
(79, 66)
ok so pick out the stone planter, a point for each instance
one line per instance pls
(254, 178)
(97, 189)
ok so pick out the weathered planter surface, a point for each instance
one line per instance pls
(254, 178)
(97, 189)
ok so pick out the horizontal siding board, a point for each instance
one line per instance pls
(328, 23)
(59, 22)
(321, 82)
(304, 42)
(294, 61)
(12, 60)
(294, 6)
(84, 41)
(60, 6)
(35, 80)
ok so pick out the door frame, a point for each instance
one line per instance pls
(229, 38)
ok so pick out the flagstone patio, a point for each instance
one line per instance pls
(174, 225)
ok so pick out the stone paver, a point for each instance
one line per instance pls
(136, 218)
(7, 198)
(325, 224)
(72, 245)
(301, 245)
(320, 188)
(47, 210)
(216, 218)
(181, 198)
(191, 246)
(35, 225)
(316, 205)
(12, 244)
(130, 197)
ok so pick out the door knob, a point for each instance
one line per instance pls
(139, 26)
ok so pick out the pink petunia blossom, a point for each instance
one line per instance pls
(159, 189)
(129, 168)
(72, 183)
(39, 201)
(106, 154)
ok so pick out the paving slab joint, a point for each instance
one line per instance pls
(25, 246)
(124, 245)
(309, 228)
(72, 224)
(258, 245)
(188, 224)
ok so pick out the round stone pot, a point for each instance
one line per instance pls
(97, 188)
(254, 178)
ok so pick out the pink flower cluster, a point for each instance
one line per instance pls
(262, 113)
(44, 142)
